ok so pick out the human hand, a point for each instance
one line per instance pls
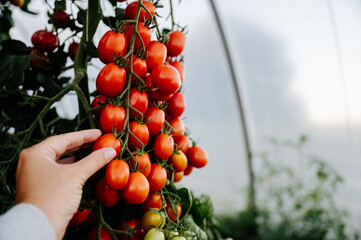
(55, 186)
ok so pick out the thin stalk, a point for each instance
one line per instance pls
(236, 84)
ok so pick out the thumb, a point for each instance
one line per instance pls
(95, 161)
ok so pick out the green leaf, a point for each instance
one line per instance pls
(189, 224)
(81, 17)
(91, 50)
(15, 47)
(186, 200)
(113, 2)
(60, 4)
(120, 14)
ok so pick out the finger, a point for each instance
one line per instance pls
(60, 144)
(67, 160)
(95, 161)
(87, 145)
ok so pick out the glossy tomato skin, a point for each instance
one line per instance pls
(111, 80)
(79, 218)
(131, 224)
(179, 161)
(117, 174)
(137, 189)
(197, 157)
(157, 178)
(104, 234)
(35, 37)
(139, 68)
(156, 118)
(39, 59)
(180, 67)
(157, 55)
(131, 10)
(144, 32)
(175, 213)
(154, 234)
(144, 163)
(106, 195)
(154, 200)
(188, 170)
(163, 146)
(166, 79)
(112, 42)
(176, 43)
(112, 118)
(153, 219)
(176, 105)
(138, 100)
(141, 132)
(107, 140)
(72, 50)
(178, 127)
(182, 143)
(178, 176)
(62, 19)
(47, 41)
(98, 101)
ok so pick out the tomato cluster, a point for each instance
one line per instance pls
(139, 109)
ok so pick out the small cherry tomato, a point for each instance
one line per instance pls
(112, 43)
(180, 67)
(134, 226)
(117, 174)
(106, 195)
(166, 79)
(131, 11)
(175, 213)
(179, 161)
(98, 102)
(107, 140)
(157, 55)
(139, 68)
(144, 32)
(157, 177)
(178, 176)
(176, 43)
(79, 218)
(138, 100)
(35, 37)
(90, 220)
(39, 60)
(137, 189)
(112, 118)
(178, 127)
(104, 234)
(154, 234)
(154, 200)
(144, 163)
(111, 80)
(176, 105)
(197, 157)
(163, 146)
(153, 219)
(188, 170)
(182, 143)
(72, 50)
(47, 41)
(141, 132)
(156, 118)
(62, 19)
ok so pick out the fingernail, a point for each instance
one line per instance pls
(109, 153)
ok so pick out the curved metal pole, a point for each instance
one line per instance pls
(236, 86)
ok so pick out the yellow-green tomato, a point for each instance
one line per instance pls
(154, 234)
(177, 238)
(152, 219)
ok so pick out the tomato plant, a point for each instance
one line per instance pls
(165, 79)
(133, 226)
(138, 132)
(176, 105)
(131, 10)
(112, 44)
(157, 177)
(106, 195)
(157, 55)
(112, 118)
(155, 118)
(73, 49)
(137, 189)
(117, 174)
(153, 219)
(176, 43)
(107, 140)
(111, 80)
(97, 105)
(79, 218)
(143, 162)
(139, 101)
(163, 146)
(154, 200)
(179, 161)
(197, 156)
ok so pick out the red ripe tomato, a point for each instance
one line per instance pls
(35, 37)
(179, 161)
(175, 213)
(131, 11)
(158, 97)
(176, 105)
(98, 101)
(148, 81)
(157, 54)
(178, 176)
(141, 132)
(106, 195)
(144, 163)
(178, 127)
(62, 19)
(72, 50)
(90, 220)
(157, 177)
(39, 59)
(154, 200)
(180, 67)
(197, 157)
(144, 32)
(111, 80)
(165, 79)
(117, 174)
(156, 118)
(112, 118)
(163, 146)
(112, 43)
(176, 43)
(139, 68)
(104, 234)
(188, 170)
(79, 218)
(139, 101)
(182, 143)
(107, 140)
(137, 189)
(46, 41)
(135, 226)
